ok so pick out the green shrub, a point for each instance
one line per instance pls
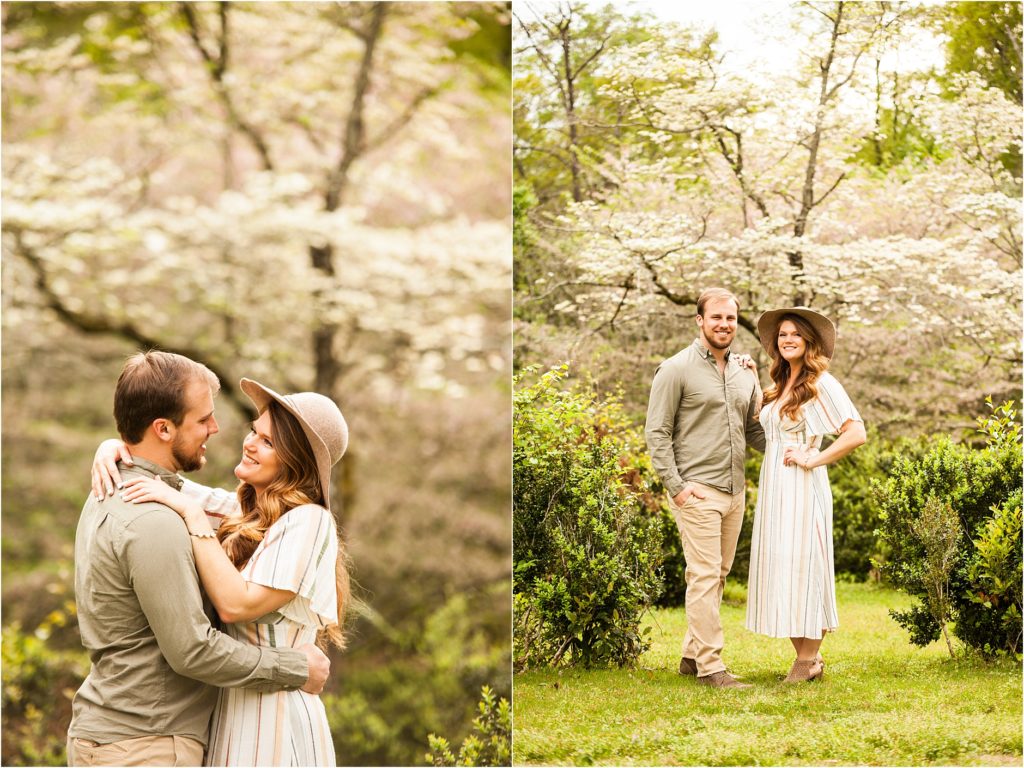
(855, 509)
(995, 574)
(402, 682)
(919, 622)
(938, 530)
(673, 564)
(586, 552)
(491, 742)
(38, 685)
(980, 485)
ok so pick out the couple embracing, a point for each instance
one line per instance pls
(706, 406)
(165, 686)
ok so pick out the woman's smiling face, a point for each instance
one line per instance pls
(790, 342)
(260, 463)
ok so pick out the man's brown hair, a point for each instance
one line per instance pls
(152, 386)
(715, 294)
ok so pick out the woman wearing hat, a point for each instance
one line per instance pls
(792, 581)
(273, 569)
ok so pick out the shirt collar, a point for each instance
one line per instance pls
(148, 467)
(704, 352)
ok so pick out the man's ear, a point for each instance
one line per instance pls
(163, 429)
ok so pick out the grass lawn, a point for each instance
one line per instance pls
(883, 701)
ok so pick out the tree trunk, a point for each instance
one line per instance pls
(325, 362)
(326, 366)
(570, 109)
(796, 259)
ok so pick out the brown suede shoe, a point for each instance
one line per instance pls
(688, 667)
(722, 680)
(805, 670)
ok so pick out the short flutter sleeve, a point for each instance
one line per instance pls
(217, 503)
(831, 409)
(299, 553)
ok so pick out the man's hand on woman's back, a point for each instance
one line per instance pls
(319, 668)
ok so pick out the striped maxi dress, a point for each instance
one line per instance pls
(792, 588)
(284, 728)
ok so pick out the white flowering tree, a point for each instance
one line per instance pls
(279, 184)
(312, 194)
(760, 189)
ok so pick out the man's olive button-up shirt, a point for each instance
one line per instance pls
(699, 421)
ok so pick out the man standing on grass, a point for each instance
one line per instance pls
(701, 417)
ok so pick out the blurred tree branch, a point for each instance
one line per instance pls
(100, 325)
(217, 65)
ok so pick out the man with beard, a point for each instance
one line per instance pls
(701, 417)
(155, 657)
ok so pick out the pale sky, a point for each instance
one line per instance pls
(748, 30)
(754, 34)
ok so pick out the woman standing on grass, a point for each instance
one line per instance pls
(274, 568)
(792, 575)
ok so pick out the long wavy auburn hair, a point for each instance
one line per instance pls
(297, 483)
(805, 388)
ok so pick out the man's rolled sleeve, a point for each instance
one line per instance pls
(666, 390)
(163, 574)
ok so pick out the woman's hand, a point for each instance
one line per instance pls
(105, 476)
(800, 457)
(140, 489)
(746, 361)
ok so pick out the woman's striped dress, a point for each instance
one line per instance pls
(791, 590)
(298, 553)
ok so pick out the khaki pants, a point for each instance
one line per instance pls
(145, 750)
(710, 528)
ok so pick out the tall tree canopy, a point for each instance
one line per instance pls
(758, 179)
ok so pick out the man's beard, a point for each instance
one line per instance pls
(187, 462)
(711, 342)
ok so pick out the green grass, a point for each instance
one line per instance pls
(882, 702)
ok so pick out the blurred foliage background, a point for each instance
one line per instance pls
(315, 195)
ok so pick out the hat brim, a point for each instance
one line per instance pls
(768, 325)
(261, 397)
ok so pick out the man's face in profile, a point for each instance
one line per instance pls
(189, 446)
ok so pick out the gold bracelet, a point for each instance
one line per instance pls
(204, 535)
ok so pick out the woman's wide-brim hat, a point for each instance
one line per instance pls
(768, 328)
(320, 419)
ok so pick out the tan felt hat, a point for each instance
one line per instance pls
(768, 328)
(321, 420)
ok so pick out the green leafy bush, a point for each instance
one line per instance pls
(586, 552)
(38, 685)
(491, 742)
(995, 573)
(938, 530)
(402, 682)
(673, 564)
(982, 485)
(645, 483)
(855, 509)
